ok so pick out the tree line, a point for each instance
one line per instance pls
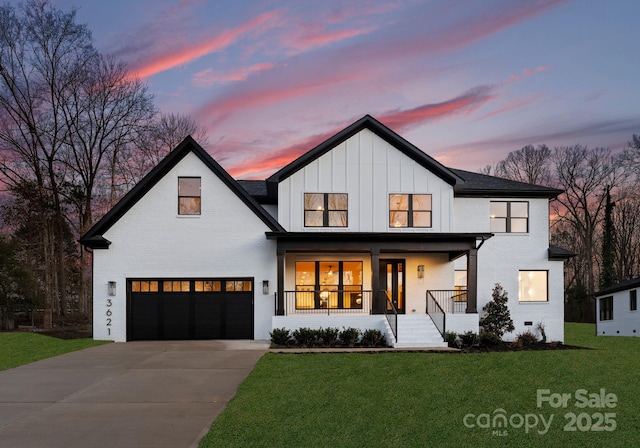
(597, 217)
(77, 131)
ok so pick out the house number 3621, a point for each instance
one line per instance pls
(109, 313)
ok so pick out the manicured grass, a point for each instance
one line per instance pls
(421, 399)
(22, 348)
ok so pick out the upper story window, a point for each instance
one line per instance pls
(409, 210)
(509, 217)
(633, 300)
(325, 209)
(188, 195)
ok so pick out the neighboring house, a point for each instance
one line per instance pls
(617, 310)
(364, 230)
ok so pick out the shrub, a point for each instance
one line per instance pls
(450, 338)
(349, 336)
(328, 336)
(526, 339)
(541, 329)
(305, 336)
(469, 339)
(489, 339)
(373, 338)
(280, 336)
(497, 318)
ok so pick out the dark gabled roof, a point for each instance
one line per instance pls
(257, 189)
(627, 284)
(370, 123)
(94, 237)
(482, 185)
(559, 253)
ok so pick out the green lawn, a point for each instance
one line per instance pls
(421, 399)
(17, 348)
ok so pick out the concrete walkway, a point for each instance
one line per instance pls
(138, 394)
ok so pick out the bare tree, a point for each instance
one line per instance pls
(584, 174)
(528, 164)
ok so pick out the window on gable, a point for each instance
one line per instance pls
(325, 209)
(533, 286)
(606, 308)
(188, 195)
(633, 300)
(509, 216)
(409, 210)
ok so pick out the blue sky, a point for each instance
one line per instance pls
(467, 81)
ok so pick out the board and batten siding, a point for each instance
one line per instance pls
(152, 241)
(368, 169)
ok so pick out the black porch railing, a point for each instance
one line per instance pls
(391, 313)
(436, 313)
(451, 301)
(328, 302)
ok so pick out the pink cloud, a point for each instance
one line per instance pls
(186, 54)
(526, 73)
(207, 77)
(402, 120)
(514, 104)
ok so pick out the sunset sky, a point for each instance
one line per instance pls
(467, 81)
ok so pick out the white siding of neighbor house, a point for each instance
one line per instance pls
(152, 241)
(502, 256)
(625, 322)
(368, 169)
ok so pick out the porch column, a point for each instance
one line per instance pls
(375, 281)
(472, 281)
(280, 288)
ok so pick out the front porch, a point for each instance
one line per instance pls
(402, 283)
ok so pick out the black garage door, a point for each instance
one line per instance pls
(173, 309)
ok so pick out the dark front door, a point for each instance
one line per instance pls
(392, 282)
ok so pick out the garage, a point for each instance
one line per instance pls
(178, 309)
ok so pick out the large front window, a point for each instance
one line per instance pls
(409, 210)
(328, 284)
(509, 217)
(533, 286)
(325, 209)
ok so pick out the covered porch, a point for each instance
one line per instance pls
(358, 274)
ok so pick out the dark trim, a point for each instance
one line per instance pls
(559, 253)
(188, 145)
(370, 123)
(485, 186)
(627, 284)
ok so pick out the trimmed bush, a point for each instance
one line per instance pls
(450, 338)
(349, 336)
(489, 339)
(469, 339)
(373, 338)
(280, 336)
(305, 336)
(328, 337)
(497, 318)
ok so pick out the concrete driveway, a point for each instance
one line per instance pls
(138, 394)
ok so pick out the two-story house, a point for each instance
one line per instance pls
(365, 230)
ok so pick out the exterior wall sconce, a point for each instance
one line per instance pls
(265, 287)
(111, 288)
(420, 271)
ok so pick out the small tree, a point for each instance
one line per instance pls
(497, 319)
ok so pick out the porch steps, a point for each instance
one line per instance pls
(417, 331)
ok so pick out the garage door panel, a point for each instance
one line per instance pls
(239, 316)
(146, 326)
(176, 316)
(207, 317)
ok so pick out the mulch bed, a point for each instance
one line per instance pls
(512, 347)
